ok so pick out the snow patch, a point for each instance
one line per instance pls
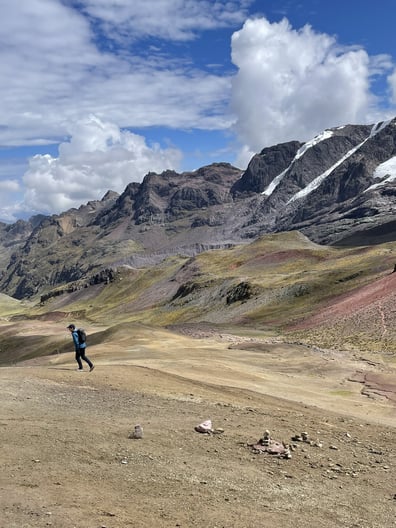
(309, 144)
(275, 182)
(378, 127)
(301, 151)
(314, 184)
(386, 172)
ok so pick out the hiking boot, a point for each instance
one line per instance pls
(91, 369)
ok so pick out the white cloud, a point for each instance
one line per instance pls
(293, 84)
(166, 19)
(10, 188)
(59, 67)
(63, 60)
(9, 200)
(392, 85)
(98, 157)
(9, 185)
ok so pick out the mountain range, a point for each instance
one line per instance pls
(337, 189)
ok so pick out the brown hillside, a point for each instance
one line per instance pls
(366, 313)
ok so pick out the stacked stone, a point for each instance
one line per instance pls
(287, 452)
(266, 440)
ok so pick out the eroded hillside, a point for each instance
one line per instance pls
(282, 284)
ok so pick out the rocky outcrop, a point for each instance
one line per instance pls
(169, 196)
(264, 167)
(241, 292)
(103, 277)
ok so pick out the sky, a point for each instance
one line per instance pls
(97, 93)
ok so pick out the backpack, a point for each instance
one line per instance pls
(82, 336)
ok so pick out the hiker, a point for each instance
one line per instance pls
(80, 349)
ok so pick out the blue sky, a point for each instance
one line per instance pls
(95, 94)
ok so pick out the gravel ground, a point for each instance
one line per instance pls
(68, 460)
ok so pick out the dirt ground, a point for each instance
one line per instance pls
(67, 459)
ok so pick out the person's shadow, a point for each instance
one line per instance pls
(61, 368)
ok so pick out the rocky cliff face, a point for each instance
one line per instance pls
(355, 191)
(338, 188)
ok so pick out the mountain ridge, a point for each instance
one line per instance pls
(329, 188)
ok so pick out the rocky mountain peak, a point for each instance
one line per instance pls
(337, 188)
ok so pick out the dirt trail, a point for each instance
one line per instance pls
(67, 460)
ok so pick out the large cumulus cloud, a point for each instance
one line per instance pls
(292, 84)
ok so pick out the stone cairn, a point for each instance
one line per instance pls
(266, 440)
(267, 445)
(287, 451)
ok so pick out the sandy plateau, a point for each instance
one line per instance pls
(67, 459)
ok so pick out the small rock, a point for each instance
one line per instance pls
(287, 454)
(297, 438)
(218, 430)
(204, 427)
(137, 432)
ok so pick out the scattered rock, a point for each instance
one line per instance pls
(302, 437)
(137, 433)
(204, 427)
(218, 430)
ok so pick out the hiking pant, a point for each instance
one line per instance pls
(80, 355)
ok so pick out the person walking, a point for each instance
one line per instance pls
(80, 349)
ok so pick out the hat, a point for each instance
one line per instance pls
(71, 326)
